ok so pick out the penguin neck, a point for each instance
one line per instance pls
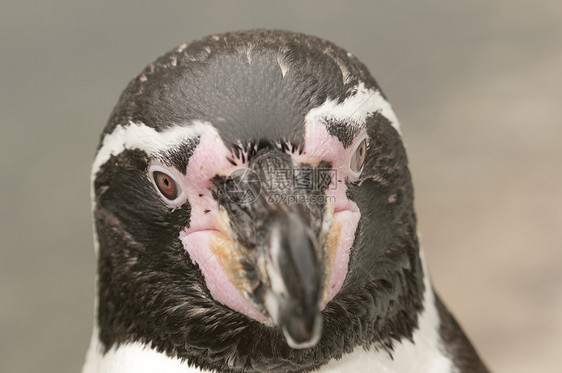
(425, 351)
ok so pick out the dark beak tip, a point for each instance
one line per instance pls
(301, 334)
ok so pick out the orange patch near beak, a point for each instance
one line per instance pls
(231, 254)
(330, 248)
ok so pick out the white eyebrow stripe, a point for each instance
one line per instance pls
(140, 136)
(356, 108)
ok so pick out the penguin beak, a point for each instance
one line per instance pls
(291, 267)
(282, 248)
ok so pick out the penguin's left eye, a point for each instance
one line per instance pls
(358, 159)
(166, 185)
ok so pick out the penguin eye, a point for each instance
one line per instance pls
(358, 159)
(166, 185)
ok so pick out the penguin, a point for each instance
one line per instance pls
(254, 212)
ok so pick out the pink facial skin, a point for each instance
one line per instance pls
(210, 159)
(321, 145)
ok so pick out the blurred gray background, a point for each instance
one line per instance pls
(478, 89)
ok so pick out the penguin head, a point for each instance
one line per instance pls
(253, 207)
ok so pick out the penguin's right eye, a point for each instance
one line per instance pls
(166, 185)
(358, 159)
